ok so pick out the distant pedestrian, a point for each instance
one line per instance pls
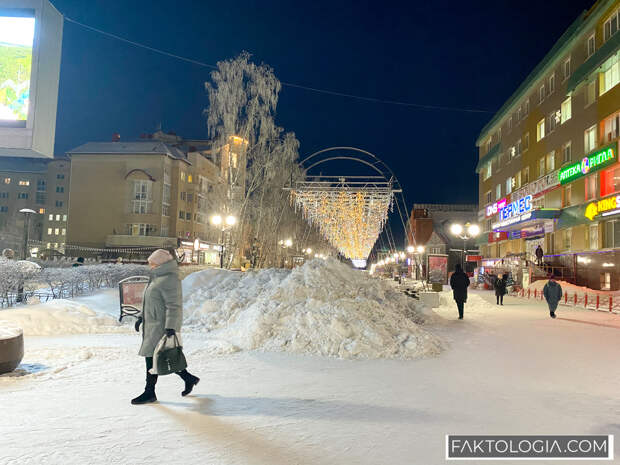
(162, 314)
(553, 294)
(79, 261)
(539, 255)
(500, 289)
(459, 282)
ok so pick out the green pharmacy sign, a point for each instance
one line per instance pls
(596, 161)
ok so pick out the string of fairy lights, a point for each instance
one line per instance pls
(350, 217)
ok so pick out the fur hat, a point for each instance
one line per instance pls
(159, 257)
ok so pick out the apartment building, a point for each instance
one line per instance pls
(40, 185)
(133, 197)
(548, 160)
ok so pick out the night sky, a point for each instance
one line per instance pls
(457, 54)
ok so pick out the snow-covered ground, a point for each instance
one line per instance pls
(503, 370)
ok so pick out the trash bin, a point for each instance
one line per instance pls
(437, 287)
(11, 347)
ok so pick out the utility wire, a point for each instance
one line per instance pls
(288, 84)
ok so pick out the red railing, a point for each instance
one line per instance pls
(592, 301)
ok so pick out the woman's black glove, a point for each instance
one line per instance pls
(170, 332)
(138, 323)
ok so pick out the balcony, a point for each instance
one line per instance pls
(594, 62)
(488, 158)
(122, 240)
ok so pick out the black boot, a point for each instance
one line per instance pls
(148, 396)
(190, 381)
(552, 314)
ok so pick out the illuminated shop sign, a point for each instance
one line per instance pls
(494, 208)
(516, 208)
(593, 162)
(606, 207)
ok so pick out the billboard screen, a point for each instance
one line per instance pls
(16, 42)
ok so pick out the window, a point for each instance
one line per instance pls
(526, 141)
(498, 192)
(184, 196)
(59, 203)
(518, 114)
(566, 152)
(611, 127)
(49, 231)
(540, 129)
(7, 180)
(4, 209)
(40, 198)
(592, 187)
(567, 68)
(181, 214)
(610, 27)
(60, 176)
(63, 231)
(541, 167)
(526, 107)
(606, 281)
(541, 94)
(508, 186)
(487, 196)
(57, 217)
(4, 195)
(41, 185)
(60, 189)
(594, 236)
(591, 45)
(164, 230)
(568, 235)
(611, 76)
(612, 234)
(166, 194)
(189, 178)
(141, 202)
(190, 197)
(518, 148)
(509, 125)
(64, 217)
(565, 110)
(590, 93)
(140, 229)
(550, 161)
(22, 195)
(589, 139)
(57, 231)
(526, 175)
(568, 195)
(188, 216)
(551, 84)
(24, 183)
(516, 180)
(51, 218)
(551, 122)
(41, 211)
(487, 171)
(182, 175)
(165, 210)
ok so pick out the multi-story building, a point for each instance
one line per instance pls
(137, 196)
(549, 172)
(40, 185)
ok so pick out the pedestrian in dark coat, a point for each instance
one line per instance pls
(162, 314)
(539, 255)
(553, 294)
(500, 289)
(459, 282)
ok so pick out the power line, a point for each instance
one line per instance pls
(288, 84)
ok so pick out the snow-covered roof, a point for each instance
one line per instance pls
(148, 147)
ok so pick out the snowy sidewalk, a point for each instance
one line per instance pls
(506, 370)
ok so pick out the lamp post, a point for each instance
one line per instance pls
(465, 232)
(27, 213)
(224, 224)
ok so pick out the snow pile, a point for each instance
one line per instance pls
(475, 304)
(58, 317)
(572, 289)
(322, 307)
(9, 330)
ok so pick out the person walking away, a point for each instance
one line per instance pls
(500, 289)
(553, 294)
(162, 314)
(539, 255)
(459, 282)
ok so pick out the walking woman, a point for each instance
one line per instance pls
(500, 289)
(459, 282)
(162, 314)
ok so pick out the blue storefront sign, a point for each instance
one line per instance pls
(516, 208)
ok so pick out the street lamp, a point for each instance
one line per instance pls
(27, 212)
(223, 224)
(420, 249)
(465, 232)
(410, 249)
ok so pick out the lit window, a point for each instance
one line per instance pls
(508, 186)
(592, 187)
(57, 217)
(611, 127)
(488, 170)
(540, 129)
(566, 110)
(57, 231)
(611, 76)
(182, 175)
(7, 180)
(24, 183)
(49, 231)
(589, 139)
(64, 217)
(541, 167)
(41, 211)
(64, 231)
(189, 178)
(498, 192)
(550, 161)
(51, 218)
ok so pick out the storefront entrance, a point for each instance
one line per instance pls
(531, 245)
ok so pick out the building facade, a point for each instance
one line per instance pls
(41, 185)
(133, 197)
(548, 160)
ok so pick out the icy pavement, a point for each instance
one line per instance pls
(505, 370)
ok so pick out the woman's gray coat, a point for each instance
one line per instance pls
(163, 306)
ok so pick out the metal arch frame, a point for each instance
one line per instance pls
(377, 162)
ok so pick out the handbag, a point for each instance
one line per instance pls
(169, 359)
